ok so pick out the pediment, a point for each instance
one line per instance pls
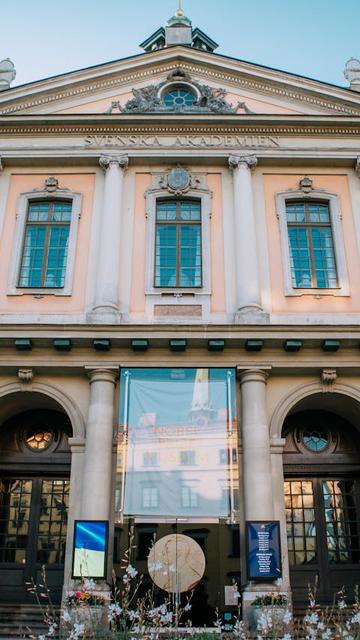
(245, 87)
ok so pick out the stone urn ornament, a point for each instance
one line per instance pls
(7, 73)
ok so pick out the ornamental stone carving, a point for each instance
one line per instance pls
(352, 73)
(306, 184)
(328, 379)
(7, 73)
(236, 161)
(106, 160)
(51, 184)
(177, 181)
(25, 375)
(206, 99)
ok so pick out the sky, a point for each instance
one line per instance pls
(309, 37)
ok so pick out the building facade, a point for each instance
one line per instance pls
(179, 318)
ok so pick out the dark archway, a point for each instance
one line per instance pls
(35, 462)
(322, 497)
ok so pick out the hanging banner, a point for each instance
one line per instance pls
(90, 548)
(263, 550)
(178, 446)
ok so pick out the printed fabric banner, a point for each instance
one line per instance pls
(177, 452)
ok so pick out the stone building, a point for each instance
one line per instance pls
(179, 309)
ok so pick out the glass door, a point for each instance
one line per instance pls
(33, 523)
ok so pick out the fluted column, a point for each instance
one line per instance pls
(247, 269)
(257, 479)
(98, 467)
(107, 277)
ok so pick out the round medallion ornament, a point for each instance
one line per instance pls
(38, 439)
(315, 439)
(178, 179)
(176, 563)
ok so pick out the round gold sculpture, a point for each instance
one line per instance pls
(176, 563)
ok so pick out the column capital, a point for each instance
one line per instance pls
(103, 375)
(252, 375)
(235, 162)
(122, 160)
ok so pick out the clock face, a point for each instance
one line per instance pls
(178, 179)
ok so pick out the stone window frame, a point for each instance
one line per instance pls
(161, 295)
(24, 200)
(333, 201)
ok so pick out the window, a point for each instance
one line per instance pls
(189, 498)
(150, 459)
(45, 242)
(45, 248)
(312, 243)
(178, 98)
(312, 256)
(178, 244)
(150, 497)
(187, 457)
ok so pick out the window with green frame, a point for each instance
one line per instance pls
(45, 247)
(311, 244)
(178, 254)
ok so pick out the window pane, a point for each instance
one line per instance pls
(165, 256)
(190, 256)
(62, 211)
(33, 257)
(57, 254)
(300, 257)
(300, 520)
(295, 212)
(39, 212)
(324, 259)
(343, 543)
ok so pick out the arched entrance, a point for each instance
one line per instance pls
(322, 496)
(34, 491)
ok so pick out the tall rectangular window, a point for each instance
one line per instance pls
(178, 244)
(45, 248)
(312, 256)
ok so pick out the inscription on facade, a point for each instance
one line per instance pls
(186, 141)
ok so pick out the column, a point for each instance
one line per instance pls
(98, 466)
(257, 480)
(77, 447)
(247, 269)
(106, 306)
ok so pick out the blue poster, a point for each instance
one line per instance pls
(90, 546)
(263, 550)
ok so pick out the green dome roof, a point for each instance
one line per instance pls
(179, 18)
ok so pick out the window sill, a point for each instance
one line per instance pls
(317, 293)
(39, 293)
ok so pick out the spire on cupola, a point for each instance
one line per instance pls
(179, 31)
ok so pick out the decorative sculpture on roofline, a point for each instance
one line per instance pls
(202, 98)
(7, 73)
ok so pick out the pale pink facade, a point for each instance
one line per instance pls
(293, 339)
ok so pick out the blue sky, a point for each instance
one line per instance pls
(309, 37)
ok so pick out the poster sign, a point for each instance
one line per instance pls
(263, 550)
(90, 548)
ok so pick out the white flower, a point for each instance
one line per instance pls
(167, 618)
(356, 618)
(114, 610)
(89, 584)
(287, 616)
(287, 636)
(326, 635)
(279, 582)
(312, 618)
(52, 629)
(187, 606)
(131, 571)
(66, 616)
(133, 614)
(41, 637)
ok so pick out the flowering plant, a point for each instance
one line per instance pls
(85, 596)
(271, 600)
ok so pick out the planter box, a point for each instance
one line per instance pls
(94, 619)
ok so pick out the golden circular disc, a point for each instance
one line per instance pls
(176, 563)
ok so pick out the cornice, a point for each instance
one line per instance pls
(82, 128)
(238, 79)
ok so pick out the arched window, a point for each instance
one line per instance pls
(178, 98)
